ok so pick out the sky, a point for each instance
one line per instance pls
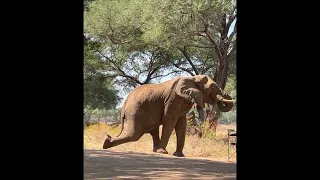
(124, 95)
(232, 27)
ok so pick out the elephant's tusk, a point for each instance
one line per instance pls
(228, 101)
(220, 98)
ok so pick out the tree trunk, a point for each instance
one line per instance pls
(201, 116)
(220, 78)
(211, 123)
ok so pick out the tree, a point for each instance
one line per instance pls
(131, 60)
(196, 37)
(134, 68)
(203, 34)
(86, 4)
(205, 39)
(98, 89)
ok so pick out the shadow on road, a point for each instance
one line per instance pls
(106, 164)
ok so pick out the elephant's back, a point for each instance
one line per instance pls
(145, 96)
(146, 101)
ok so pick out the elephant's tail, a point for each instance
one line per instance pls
(122, 124)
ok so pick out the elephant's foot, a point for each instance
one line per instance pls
(162, 151)
(178, 154)
(107, 142)
(155, 149)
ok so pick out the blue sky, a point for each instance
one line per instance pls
(232, 27)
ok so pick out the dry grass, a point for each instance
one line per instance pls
(194, 147)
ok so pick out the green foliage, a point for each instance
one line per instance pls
(114, 114)
(160, 26)
(228, 117)
(231, 86)
(87, 112)
(86, 4)
(141, 41)
(210, 134)
(98, 89)
(98, 93)
(114, 20)
(98, 114)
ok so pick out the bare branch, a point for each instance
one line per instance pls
(130, 77)
(150, 64)
(216, 47)
(204, 65)
(164, 74)
(122, 73)
(223, 28)
(208, 67)
(230, 53)
(183, 69)
(157, 68)
(199, 46)
(185, 53)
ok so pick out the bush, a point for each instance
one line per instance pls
(228, 117)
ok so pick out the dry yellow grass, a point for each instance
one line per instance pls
(194, 147)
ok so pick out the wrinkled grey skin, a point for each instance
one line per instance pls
(151, 105)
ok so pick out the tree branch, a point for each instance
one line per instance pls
(152, 70)
(167, 58)
(199, 46)
(204, 64)
(157, 68)
(205, 33)
(208, 67)
(183, 69)
(185, 53)
(164, 75)
(123, 74)
(224, 29)
(230, 53)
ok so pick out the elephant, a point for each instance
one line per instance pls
(151, 105)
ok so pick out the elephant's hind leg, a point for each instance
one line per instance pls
(131, 132)
(111, 142)
(156, 139)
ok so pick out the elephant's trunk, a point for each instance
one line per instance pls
(225, 104)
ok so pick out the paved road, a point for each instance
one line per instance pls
(107, 164)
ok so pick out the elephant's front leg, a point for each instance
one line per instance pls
(180, 129)
(155, 137)
(167, 128)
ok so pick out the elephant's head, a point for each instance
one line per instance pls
(202, 89)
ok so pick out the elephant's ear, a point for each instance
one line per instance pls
(191, 88)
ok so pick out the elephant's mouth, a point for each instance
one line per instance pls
(225, 104)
